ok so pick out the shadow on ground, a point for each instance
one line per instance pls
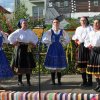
(70, 83)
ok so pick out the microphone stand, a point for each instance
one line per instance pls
(39, 62)
(39, 73)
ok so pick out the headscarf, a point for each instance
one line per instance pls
(20, 22)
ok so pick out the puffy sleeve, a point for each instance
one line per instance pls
(93, 39)
(75, 36)
(79, 34)
(47, 37)
(5, 37)
(66, 38)
(13, 37)
(33, 38)
(87, 41)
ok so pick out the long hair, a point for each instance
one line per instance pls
(87, 21)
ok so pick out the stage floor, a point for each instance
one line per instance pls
(70, 84)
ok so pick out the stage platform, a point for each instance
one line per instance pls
(70, 84)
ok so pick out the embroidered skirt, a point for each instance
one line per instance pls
(83, 56)
(22, 60)
(56, 57)
(5, 69)
(94, 63)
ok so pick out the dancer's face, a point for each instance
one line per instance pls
(83, 21)
(96, 25)
(24, 25)
(56, 24)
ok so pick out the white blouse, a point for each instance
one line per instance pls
(25, 36)
(47, 37)
(81, 33)
(93, 39)
(5, 39)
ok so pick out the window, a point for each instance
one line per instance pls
(50, 4)
(58, 4)
(38, 12)
(95, 2)
(65, 3)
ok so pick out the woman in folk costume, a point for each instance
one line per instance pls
(5, 69)
(23, 61)
(92, 42)
(55, 59)
(83, 53)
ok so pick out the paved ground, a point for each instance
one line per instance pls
(70, 83)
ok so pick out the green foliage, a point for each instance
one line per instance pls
(3, 22)
(70, 49)
(48, 26)
(70, 54)
(20, 12)
(8, 49)
(73, 23)
(39, 22)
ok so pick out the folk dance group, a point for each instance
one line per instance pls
(86, 37)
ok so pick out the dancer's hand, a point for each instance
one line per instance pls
(90, 46)
(31, 44)
(16, 43)
(77, 42)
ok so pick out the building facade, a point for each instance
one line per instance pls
(85, 8)
(69, 8)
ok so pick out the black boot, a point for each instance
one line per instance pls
(84, 84)
(20, 80)
(98, 85)
(53, 78)
(90, 83)
(59, 78)
(28, 79)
